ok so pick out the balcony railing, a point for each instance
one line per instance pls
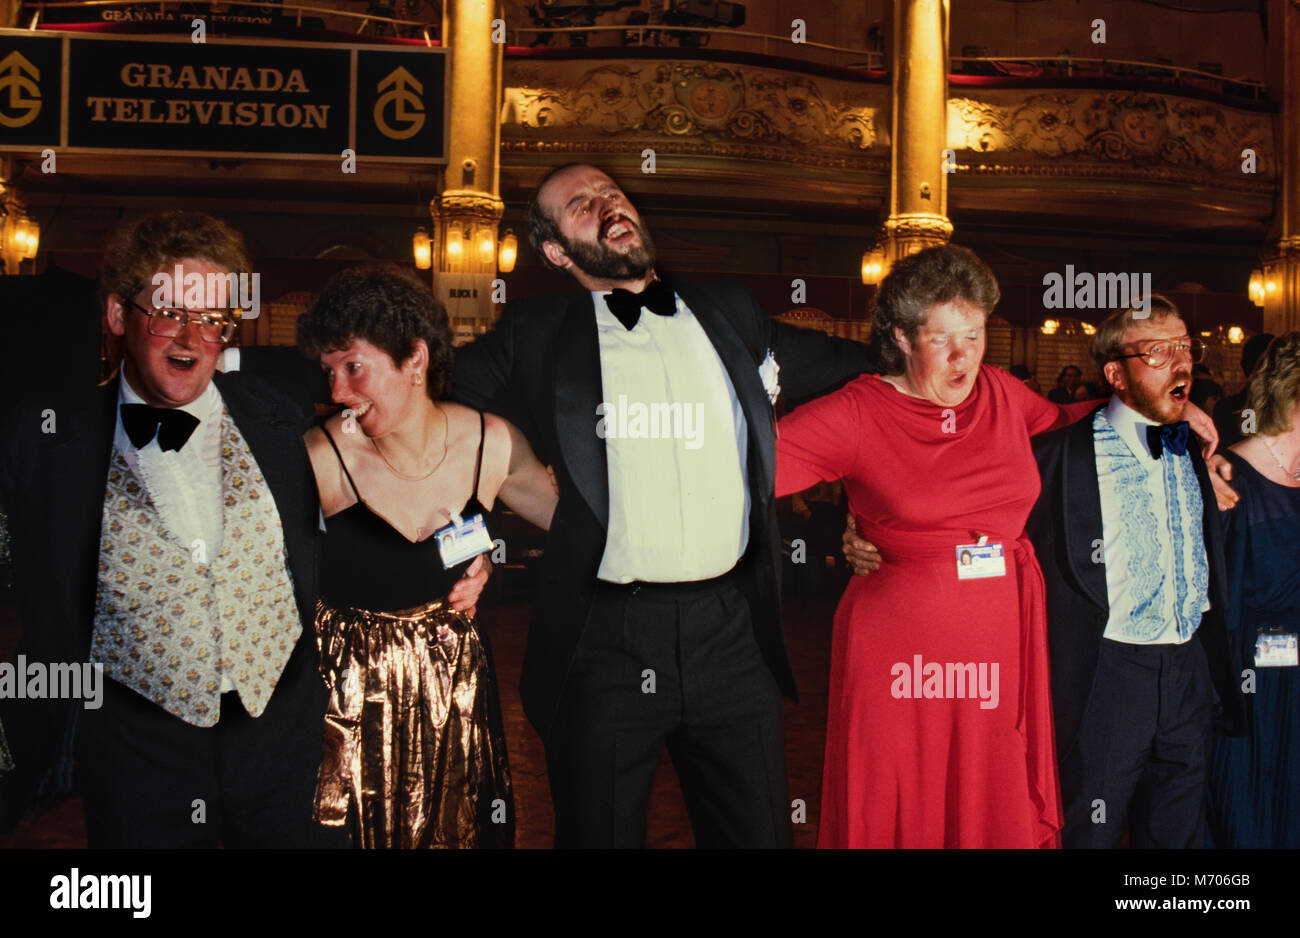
(1078, 67)
(33, 14)
(660, 35)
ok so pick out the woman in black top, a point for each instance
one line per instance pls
(415, 752)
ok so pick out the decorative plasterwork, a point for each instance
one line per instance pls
(1111, 134)
(725, 111)
(916, 227)
(706, 109)
(463, 203)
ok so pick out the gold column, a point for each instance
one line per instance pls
(465, 216)
(1282, 265)
(918, 186)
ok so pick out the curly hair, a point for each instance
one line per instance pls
(389, 308)
(1275, 386)
(919, 282)
(143, 246)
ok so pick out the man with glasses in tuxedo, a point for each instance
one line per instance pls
(1132, 556)
(164, 528)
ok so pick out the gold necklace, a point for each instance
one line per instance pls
(1285, 471)
(402, 475)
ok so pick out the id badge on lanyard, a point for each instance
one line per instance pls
(980, 560)
(462, 539)
(1277, 649)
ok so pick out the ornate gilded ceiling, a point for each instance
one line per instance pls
(710, 115)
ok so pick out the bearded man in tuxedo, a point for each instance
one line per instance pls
(657, 623)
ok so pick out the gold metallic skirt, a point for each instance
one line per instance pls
(415, 752)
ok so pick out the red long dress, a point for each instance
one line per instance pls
(921, 479)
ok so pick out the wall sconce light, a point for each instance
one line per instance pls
(1050, 326)
(455, 242)
(1256, 290)
(508, 253)
(29, 237)
(1236, 335)
(20, 236)
(1088, 328)
(873, 266)
(422, 248)
(487, 245)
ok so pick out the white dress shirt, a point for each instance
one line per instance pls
(1143, 595)
(184, 484)
(675, 438)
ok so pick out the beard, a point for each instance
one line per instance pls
(1157, 404)
(596, 259)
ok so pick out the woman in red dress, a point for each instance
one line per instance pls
(939, 731)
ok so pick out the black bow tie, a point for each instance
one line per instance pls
(658, 297)
(1172, 437)
(172, 427)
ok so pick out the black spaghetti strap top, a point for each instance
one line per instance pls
(369, 564)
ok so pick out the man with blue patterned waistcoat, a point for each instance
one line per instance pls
(164, 528)
(1131, 550)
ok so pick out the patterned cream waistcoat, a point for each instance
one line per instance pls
(169, 623)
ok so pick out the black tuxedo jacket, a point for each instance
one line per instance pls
(1065, 527)
(52, 486)
(540, 368)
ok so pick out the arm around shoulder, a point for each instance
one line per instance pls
(526, 485)
(481, 372)
(813, 363)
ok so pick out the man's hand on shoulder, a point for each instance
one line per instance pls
(1220, 475)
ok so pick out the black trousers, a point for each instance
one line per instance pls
(1143, 749)
(149, 779)
(674, 666)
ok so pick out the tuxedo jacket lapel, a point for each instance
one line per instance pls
(83, 445)
(578, 393)
(273, 430)
(1081, 512)
(1211, 525)
(743, 371)
(266, 427)
(79, 475)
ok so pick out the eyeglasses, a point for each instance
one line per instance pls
(1162, 353)
(166, 323)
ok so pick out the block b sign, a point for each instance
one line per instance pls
(468, 299)
(170, 96)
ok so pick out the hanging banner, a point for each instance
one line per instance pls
(221, 98)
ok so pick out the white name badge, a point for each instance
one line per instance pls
(462, 539)
(1277, 650)
(977, 561)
